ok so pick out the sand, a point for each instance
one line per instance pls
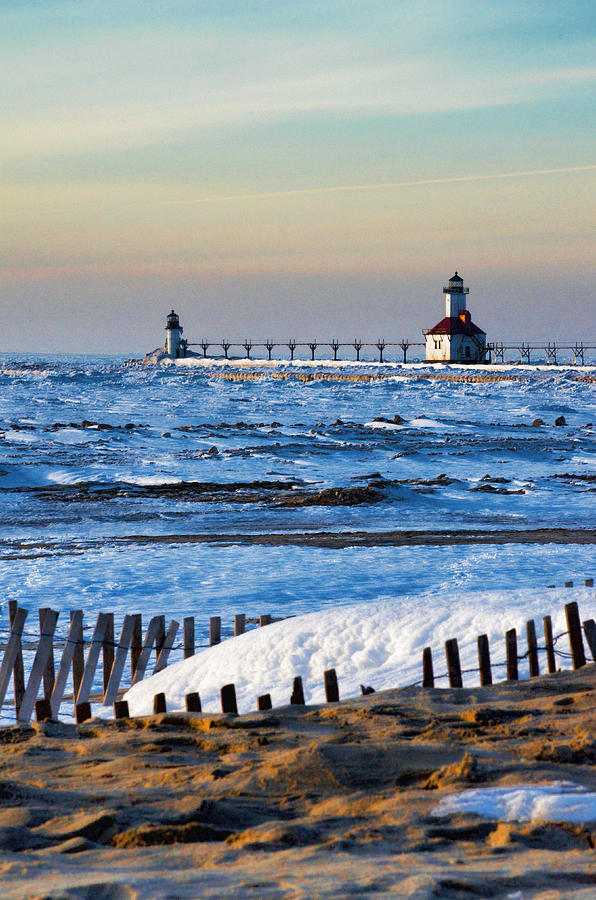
(325, 801)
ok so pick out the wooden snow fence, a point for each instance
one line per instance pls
(84, 660)
(576, 632)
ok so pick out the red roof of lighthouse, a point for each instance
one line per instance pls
(455, 325)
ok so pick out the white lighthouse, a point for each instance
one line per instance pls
(175, 344)
(455, 338)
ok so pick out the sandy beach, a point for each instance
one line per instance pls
(320, 801)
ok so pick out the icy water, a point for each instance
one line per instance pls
(94, 454)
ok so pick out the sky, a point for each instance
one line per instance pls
(290, 168)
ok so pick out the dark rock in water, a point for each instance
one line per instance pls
(499, 480)
(397, 420)
(338, 422)
(129, 425)
(560, 420)
(335, 497)
(212, 451)
(382, 419)
(365, 690)
(537, 422)
(491, 489)
(166, 434)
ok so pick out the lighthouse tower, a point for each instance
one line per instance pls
(456, 338)
(175, 345)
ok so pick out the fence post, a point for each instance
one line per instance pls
(575, 635)
(264, 702)
(532, 649)
(214, 630)
(82, 712)
(12, 649)
(486, 676)
(297, 698)
(121, 709)
(428, 676)
(239, 624)
(49, 675)
(228, 699)
(188, 629)
(193, 702)
(511, 651)
(264, 620)
(108, 649)
(159, 704)
(18, 671)
(136, 643)
(39, 664)
(453, 664)
(78, 655)
(590, 633)
(550, 647)
(331, 686)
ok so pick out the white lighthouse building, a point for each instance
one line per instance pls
(455, 338)
(175, 344)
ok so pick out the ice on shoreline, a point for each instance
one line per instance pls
(557, 801)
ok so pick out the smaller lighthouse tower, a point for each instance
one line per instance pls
(175, 345)
(455, 296)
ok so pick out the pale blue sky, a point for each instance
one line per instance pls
(126, 125)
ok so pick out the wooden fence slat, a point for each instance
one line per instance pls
(75, 633)
(486, 676)
(331, 686)
(228, 699)
(548, 642)
(108, 649)
(453, 663)
(239, 624)
(590, 633)
(214, 630)
(18, 671)
(39, 665)
(428, 675)
(162, 659)
(12, 649)
(136, 643)
(152, 636)
(297, 698)
(92, 659)
(532, 649)
(188, 630)
(511, 652)
(575, 635)
(111, 691)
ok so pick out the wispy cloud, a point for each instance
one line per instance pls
(388, 185)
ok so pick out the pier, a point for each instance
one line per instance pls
(498, 352)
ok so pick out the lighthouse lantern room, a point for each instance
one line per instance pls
(456, 338)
